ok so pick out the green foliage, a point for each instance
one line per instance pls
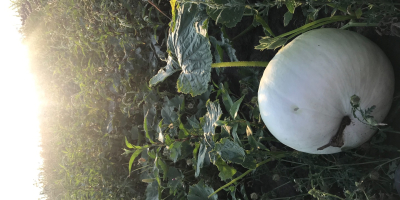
(201, 191)
(189, 52)
(226, 16)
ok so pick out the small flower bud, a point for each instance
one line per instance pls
(253, 196)
(276, 177)
(374, 175)
(355, 100)
(189, 162)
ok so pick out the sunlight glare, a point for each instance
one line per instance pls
(20, 139)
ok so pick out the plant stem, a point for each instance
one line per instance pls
(239, 177)
(317, 23)
(244, 32)
(158, 9)
(355, 24)
(240, 64)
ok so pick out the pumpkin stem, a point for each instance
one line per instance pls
(337, 140)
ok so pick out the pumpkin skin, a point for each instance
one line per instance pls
(305, 90)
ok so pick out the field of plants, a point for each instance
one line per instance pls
(158, 100)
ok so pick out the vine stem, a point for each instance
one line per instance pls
(239, 177)
(240, 64)
(316, 24)
(355, 24)
(154, 5)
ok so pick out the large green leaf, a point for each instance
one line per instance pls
(189, 52)
(227, 12)
(200, 191)
(163, 73)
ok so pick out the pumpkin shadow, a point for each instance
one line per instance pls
(391, 46)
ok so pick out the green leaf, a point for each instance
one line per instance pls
(129, 145)
(168, 140)
(271, 43)
(226, 171)
(213, 115)
(152, 191)
(175, 150)
(151, 154)
(252, 142)
(183, 130)
(200, 191)
(163, 73)
(235, 108)
(168, 114)
(146, 129)
(226, 12)
(223, 46)
(189, 52)
(333, 12)
(230, 151)
(226, 99)
(358, 13)
(291, 5)
(175, 177)
(255, 145)
(220, 123)
(200, 157)
(163, 166)
(134, 155)
(249, 162)
(264, 24)
(177, 102)
(219, 53)
(287, 18)
(193, 122)
(156, 172)
(235, 135)
(190, 46)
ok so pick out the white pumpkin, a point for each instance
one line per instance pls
(305, 90)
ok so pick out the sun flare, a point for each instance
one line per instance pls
(20, 144)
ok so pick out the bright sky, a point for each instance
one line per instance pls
(19, 133)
